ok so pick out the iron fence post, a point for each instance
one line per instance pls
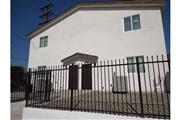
(27, 90)
(71, 99)
(140, 90)
(71, 86)
(168, 58)
(142, 103)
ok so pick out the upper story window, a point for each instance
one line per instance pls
(127, 23)
(136, 22)
(43, 41)
(132, 23)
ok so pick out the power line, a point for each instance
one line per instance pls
(46, 13)
(19, 37)
(22, 61)
(22, 38)
(17, 58)
(18, 47)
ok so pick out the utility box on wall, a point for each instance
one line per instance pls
(119, 84)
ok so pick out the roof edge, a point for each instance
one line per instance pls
(78, 6)
(79, 55)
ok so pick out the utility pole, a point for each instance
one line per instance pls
(46, 13)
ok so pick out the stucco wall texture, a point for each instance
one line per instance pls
(100, 32)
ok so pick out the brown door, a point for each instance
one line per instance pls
(48, 85)
(87, 77)
(73, 77)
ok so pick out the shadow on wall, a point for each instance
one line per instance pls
(167, 83)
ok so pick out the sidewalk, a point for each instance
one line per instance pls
(17, 110)
(49, 114)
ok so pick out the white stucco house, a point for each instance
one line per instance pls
(88, 32)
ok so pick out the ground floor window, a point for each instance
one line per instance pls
(41, 72)
(131, 67)
(131, 64)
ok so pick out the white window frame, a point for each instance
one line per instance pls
(139, 22)
(131, 23)
(42, 45)
(124, 24)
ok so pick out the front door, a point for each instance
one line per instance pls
(73, 77)
(48, 86)
(87, 77)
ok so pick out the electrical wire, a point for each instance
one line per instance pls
(23, 38)
(19, 37)
(17, 58)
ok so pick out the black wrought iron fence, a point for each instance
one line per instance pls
(18, 87)
(138, 86)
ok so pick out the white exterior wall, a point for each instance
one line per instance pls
(101, 33)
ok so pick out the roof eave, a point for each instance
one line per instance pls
(82, 5)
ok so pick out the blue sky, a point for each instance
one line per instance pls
(25, 18)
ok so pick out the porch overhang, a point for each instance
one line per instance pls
(79, 57)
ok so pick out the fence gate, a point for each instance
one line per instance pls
(41, 85)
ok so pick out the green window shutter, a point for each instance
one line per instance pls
(136, 22)
(41, 42)
(127, 24)
(45, 41)
(141, 65)
(131, 68)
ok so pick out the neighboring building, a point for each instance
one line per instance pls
(88, 32)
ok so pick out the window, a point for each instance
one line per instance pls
(132, 23)
(40, 68)
(141, 65)
(127, 23)
(136, 22)
(43, 41)
(41, 72)
(131, 68)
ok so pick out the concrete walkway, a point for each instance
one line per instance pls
(47, 114)
(17, 110)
